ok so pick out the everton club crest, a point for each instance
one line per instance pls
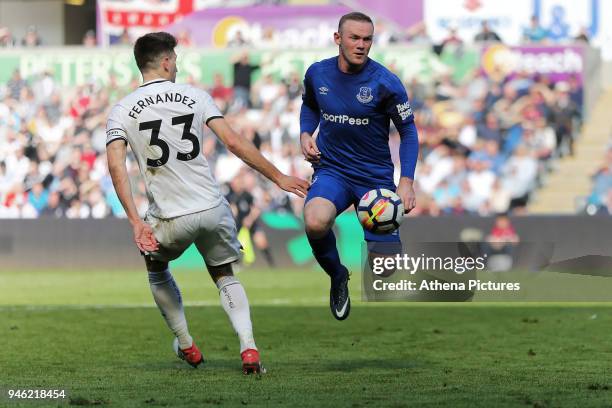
(365, 94)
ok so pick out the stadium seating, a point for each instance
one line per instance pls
(485, 146)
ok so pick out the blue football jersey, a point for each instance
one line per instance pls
(354, 112)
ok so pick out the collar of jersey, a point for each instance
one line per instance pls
(365, 66)
(153, 81)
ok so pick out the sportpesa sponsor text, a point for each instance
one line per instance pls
(345, 119)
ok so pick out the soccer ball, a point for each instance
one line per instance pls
(380, 211)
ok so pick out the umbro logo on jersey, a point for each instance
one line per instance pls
(323, 90)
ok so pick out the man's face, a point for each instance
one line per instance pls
(355, 40)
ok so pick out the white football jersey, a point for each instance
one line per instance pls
(163, 124)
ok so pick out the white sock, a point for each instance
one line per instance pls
(236, 305)
(168, 299)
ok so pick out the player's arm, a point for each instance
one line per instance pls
(116, 151)
(409, 152)
(247, 152)
(398, 108)
(309, 121)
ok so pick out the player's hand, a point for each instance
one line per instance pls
(309, 148)
(406, 192)
(294, 185)
(144, 237)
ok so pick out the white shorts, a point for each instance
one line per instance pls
(213, 231)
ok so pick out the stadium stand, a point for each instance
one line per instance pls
(485, 146)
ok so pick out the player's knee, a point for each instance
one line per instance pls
(219, 271)
(155, 266)
(316, 224)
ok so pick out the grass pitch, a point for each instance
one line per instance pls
(97, 335)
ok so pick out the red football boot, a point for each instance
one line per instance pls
(191, 355)
(251, 363)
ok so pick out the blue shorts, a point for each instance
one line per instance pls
(344, 193)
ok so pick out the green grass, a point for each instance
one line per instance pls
(420, 355)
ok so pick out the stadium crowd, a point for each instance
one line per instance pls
(485, 145)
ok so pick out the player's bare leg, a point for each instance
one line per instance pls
(168, 298)
(236, 305)
(319, 216)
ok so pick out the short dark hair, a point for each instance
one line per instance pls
(150, 46)
(354, 16)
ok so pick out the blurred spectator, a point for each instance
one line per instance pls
(575, 90)
(89, 39)
(535, 33)
(582, 36)
(15, 85)
(294, 86)
(503, 232)
(268, 91)
(38, 197)
(269, 38)
(6, 38)
(123, 39)
(606, 207)
(500, 244)
(238, 40)
(499, 201)
(486, 34)
(183, 38)
(31, 38)
(519, 176)
(54, 209)
(445, 88)
(445, 196)
(490, 129)
(467, 135)
(601, 194)
(564, 114)
(417, 35)
(241, 194)
(385, 35)
(452, 38)
(541, 140)
(243, 70)
(220, 92)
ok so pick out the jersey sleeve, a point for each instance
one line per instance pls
(114, 126)
(309, 113)
(396, 102)
(397, 106)
(211, 111)
(309, 97)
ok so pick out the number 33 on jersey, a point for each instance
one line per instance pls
(163, 123)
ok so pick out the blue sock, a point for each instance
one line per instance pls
(326, 253)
